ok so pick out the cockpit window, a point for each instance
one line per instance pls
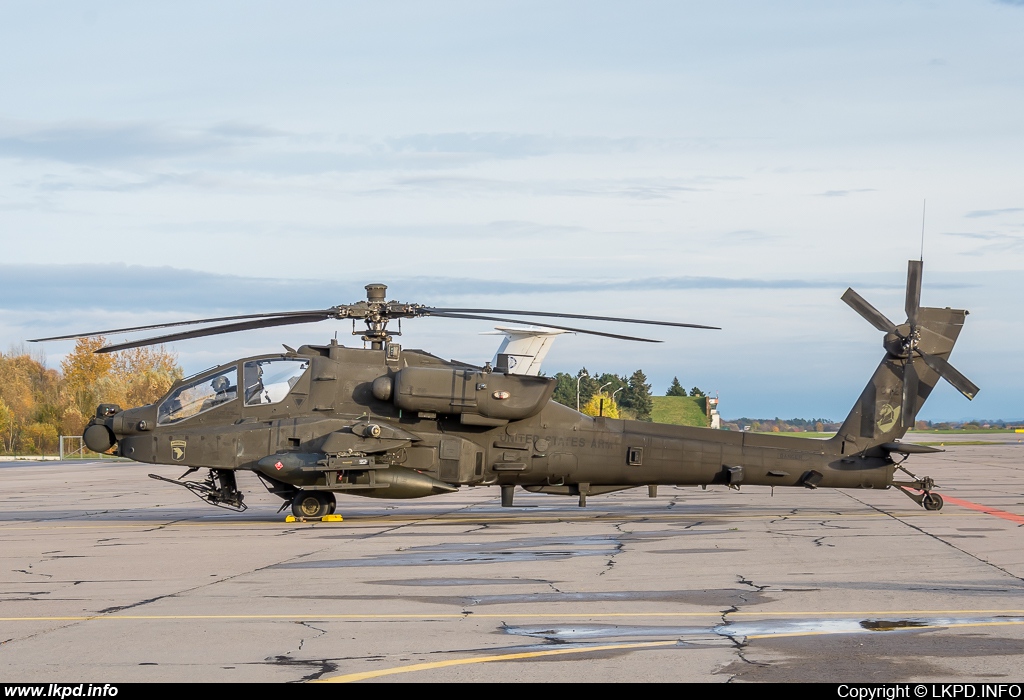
(269, 381)
(199, 396)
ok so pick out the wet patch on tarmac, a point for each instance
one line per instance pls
(527, 549)
(459, 582)
(712, 598)
(707, 550)
(574, 633)
(957, 588)
(751, 631)
(880, 658)
(531, 549)
(889, 625)
(445, 559)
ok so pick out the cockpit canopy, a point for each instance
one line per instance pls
(269, 381)
(265, 381)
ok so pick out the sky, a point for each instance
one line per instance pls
(735, 164)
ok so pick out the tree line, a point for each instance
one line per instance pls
(612, 395)
(39, 404)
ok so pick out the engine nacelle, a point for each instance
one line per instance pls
(466, 392)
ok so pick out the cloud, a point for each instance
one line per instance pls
(843, 193)
(104, 142)
(642, 189)
(992, 212)
(108, 184)
(260, 148)
(513, 145)
(994, 241)
(981, 235)
(143, 288)
(749, 236)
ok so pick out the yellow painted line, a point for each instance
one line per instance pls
(507, 616)
(365, 675)
(351, 677)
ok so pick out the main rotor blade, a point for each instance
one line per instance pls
(217, 330)
(548, 325)
(910, 382)
(112, 331)
(948, 372)
(869, 313)
(913, 290)
(434, 310)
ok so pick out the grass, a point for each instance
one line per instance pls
(679, 410)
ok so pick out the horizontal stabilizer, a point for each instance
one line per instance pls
(908, 448)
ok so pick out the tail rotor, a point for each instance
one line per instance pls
(912, 340)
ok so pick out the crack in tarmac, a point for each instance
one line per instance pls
(30, 573)
(620, 547)
(324, 666)
(935, 537)
(302, 641)
(738, 642)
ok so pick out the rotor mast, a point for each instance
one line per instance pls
(376, 318)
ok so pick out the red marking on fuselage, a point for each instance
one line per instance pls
(1012, 517)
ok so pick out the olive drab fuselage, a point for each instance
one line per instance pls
(388, 423)
(352, 415)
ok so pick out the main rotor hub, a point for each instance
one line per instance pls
(376, 292)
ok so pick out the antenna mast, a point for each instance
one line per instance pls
(924, 209)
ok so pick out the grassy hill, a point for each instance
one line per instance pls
(680, 410)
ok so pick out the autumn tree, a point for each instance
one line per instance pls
(38, 405)
(594, 406)
(133, 377)
(83, 371)
(145, 374)
(30, 394)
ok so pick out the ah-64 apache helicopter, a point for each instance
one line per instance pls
(388, 422)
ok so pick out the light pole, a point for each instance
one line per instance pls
(578, 380)
(600, 410)
(617, 391)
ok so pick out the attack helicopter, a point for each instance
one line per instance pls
(382, 421)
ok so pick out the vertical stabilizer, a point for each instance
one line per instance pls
(524, 349)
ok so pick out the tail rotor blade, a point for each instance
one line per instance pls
(869, 313)
(914, 268)
(948, 372)
(910, 383)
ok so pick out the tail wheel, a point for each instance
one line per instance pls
(312, 504)
(932, 501)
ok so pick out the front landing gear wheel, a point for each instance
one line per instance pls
(312, 504)
(932, 501)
